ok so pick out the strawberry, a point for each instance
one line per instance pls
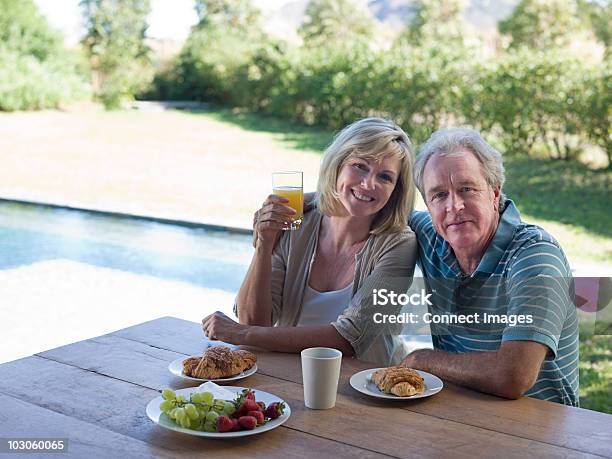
(224, 424)
(247, 422)
(262, 406)
(249, 405)
(239, 412)
(257, 415)
(235, 425)
(248, 394)
(244, 403)
(274, 410)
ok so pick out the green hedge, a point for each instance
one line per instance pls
(36, 71)
(530, 102)
(333, 87)
(29, 84)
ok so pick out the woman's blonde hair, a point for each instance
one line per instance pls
(372, 139)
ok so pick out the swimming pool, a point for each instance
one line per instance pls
(203, 257)
(68, 275)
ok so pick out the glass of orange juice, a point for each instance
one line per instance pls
(290, 185)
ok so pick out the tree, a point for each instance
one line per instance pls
(533, 101)
(36, 70)
(598, 14)
(239, 16)
(330, 22)
(24, 30)
(542, 24)
(596, 108)
(436, 22)
(115, 43)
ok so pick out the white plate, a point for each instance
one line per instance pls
(176, 368)
(363, 383)
(155, 415)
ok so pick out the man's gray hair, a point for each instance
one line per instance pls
(448, 141)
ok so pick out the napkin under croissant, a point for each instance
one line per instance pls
(400, 381)
(218, 362)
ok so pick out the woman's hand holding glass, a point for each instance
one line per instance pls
(269, 221)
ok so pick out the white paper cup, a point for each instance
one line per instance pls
(320, 374)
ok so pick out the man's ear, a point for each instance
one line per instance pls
(496, 197)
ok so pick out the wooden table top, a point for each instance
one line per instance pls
(94, 393)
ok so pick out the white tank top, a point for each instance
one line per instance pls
(322, 308)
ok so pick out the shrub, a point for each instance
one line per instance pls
(27, 83)
(527, 101)
(595, 110)
(531, 101)
(36, 71)
(208, 64)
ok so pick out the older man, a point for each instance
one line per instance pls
(481, 261)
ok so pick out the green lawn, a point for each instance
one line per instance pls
(595, 367)
(287, 134)
(568, 199)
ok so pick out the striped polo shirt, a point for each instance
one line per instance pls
(521, 290)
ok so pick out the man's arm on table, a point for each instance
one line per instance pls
(508, 372)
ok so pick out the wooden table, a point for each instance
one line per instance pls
(94, 393)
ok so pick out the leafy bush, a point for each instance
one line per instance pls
(36, 71)
(531, 100)
(595, 111)
(27, 83)
(264, 82)
(334, 86)
(428, 86)
(208, 65)
(540, 103)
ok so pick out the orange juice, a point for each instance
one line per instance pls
(295, 195)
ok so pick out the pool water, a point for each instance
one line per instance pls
(205, 258)
(69, 275)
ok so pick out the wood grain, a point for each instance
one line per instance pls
(385, 421)
(117, 408)
(104, 383)
(528, 418)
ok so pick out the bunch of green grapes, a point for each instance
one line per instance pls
(199, 413)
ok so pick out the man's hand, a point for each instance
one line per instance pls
(218, 326)
(508, 372)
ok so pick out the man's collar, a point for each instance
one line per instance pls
(510, 218)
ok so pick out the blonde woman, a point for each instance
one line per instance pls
(315, 286)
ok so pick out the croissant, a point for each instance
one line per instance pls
(400, 381)
(190, 364)
(218, 362)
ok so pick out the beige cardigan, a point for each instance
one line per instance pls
(385, 262)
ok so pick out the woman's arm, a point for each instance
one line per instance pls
(254, 300)
(281, 339)
(295, 339)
